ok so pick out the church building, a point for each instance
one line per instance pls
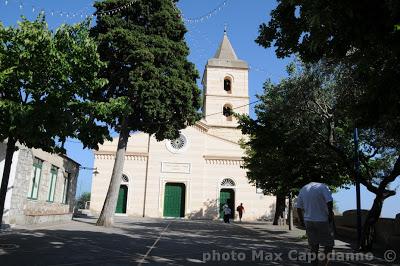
(195, 174)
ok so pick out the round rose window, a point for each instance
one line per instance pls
(177, 145)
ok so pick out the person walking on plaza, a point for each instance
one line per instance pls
(227, 212)
(315, 210)
(240, 210)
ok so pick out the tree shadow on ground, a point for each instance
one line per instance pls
(166, 242)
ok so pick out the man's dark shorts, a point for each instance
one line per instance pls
(320, 233)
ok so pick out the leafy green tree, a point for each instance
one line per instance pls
(146, 55)
(46, 79)
(285, 150)
(364, 37)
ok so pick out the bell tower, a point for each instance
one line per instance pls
(225, 88)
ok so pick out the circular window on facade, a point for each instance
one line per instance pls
(177, 145)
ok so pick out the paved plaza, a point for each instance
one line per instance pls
(135, 241)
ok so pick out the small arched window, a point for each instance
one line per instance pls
(227, 112)
(228, 85)
(125, 179)
(227, 182)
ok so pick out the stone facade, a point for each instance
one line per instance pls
(205, 164)
(19, 207)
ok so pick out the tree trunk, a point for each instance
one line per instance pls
(381, 194)
(374, 213)
(6, 175)
(279, 208)
(290, 212)
(107, 213)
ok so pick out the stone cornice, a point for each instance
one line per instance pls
(223, 159)
(228, 96)
(201, 126)
(130, 156)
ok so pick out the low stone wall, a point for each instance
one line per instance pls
(44, 219)
(387, 231)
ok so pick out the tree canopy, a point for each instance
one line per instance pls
(147, 68)
(362, 34)
(147, 65)
(46, 79)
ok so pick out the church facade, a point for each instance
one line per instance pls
(194, 175)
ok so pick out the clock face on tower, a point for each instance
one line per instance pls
(177, 145)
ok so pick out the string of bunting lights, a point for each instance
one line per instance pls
(84, 13)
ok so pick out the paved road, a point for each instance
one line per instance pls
(157, 242)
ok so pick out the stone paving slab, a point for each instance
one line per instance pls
(143, 241)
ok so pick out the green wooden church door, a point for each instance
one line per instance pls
(174, 200)
(226, 194)
(122, 198)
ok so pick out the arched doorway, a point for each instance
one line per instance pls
(122, 199)
(174, 200)
(227, 195)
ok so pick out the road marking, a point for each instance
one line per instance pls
(154, 245)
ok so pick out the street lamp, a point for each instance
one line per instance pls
(94, 169)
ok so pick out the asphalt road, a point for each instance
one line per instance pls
(156, 242)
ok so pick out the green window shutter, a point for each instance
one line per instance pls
(53, 182)
(33, 191)
(67, 180)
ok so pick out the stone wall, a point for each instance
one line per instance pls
(20, 186)
(387, 231)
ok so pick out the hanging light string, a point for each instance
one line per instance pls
(206, 16)
(115, 10)
(85, 12)
(73, 14)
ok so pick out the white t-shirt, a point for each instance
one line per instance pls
(226, 209)
(312, 199)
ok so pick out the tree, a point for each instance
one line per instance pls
(83, 198)
(46, 79)
(364, 37)
(146, 55)
(285, 150)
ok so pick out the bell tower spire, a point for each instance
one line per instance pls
(225, 83)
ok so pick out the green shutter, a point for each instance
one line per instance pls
(174, 200)
(122, 199)
(53, 183)
(35, 179)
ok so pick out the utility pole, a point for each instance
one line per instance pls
(358, 193)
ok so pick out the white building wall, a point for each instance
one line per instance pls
(10, 187)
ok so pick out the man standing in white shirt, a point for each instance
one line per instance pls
(315, 209)
(227, 211)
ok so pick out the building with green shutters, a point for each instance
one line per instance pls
(41, 188)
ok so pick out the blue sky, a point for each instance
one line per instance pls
(242, 19)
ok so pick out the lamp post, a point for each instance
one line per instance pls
(358, 193)
(94, 169)
(95, 172)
